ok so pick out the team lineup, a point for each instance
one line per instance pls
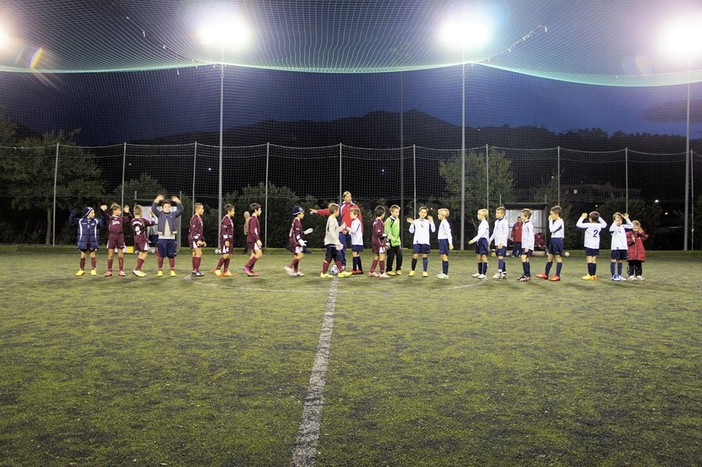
(344, 229)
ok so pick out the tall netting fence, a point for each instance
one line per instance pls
(52, 180)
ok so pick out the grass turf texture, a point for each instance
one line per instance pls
(421, 372)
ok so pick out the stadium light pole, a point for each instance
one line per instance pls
(468, 34)
(681, 39)
(223, 31)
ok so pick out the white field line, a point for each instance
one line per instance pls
(305, 451)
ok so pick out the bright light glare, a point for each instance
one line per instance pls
(682, 38)
(4, 36)
(469, 35)
(225, 32)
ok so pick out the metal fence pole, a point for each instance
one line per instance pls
(265, 216)
(341, 170)
(487, 177)
(558, 175)
(692, 197)
(414, 175)
(124, 168)
(53, 221)
(194, 167)
(626, 179)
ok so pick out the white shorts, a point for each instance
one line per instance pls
(299, 249)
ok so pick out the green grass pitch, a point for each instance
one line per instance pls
(176, 371)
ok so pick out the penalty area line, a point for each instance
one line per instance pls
(305, 451)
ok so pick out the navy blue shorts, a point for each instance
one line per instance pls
(592, 251)
(526, 253)
(619, 255)
(444, 246)
(167, 248)
(501, 251)
(357, 248)
(556, 247)
(332, 253)
(421, 248)
(481, 247)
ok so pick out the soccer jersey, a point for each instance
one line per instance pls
(141, 232)
(295, 235)
(392, 230)
(557, 228)
(483, 231)
(226, 232)
(619, 234)
(422, 228)
(527, 236)
(445, 231)
(115, 229)
(254, 230)
(593, 232)
(500, 233)
(356, 232)
(378, 237)
(196, 230)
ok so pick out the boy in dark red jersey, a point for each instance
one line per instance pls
(196, 239)
(253, 240)
(379, 246)
(140, 229)
(226, 242)
(115, 239)
(88, 237)
(296, 242)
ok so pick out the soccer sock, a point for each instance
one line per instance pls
(339, 265)
(619, 269)
(360, 264)
(559, 267)
(194, 261)
(171, 263)
(373, 265)
(296, 264)
(425, 264)
(355, 263)
(93, 262)
(501, 265)
(82, 263)
(225, 263)
(611, 267)
(160, 262)
(220, 263)
(528, 266)
(444, 267)
(139, 264)
(594, 269)
(120, 261)
(485, 266)
(548, 267)
(480, 267)
(524, 267)
(381, 263)
(414, 263)
(109, 264)
(325, 267)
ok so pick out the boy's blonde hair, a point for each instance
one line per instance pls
(138, 209)
(443, 211)
(393, 207)
(423, 207)
(557, 210)
(636, 224)
(501, 209)
(356, 211)
(527, 213)
(614, 216)
(484, 212)
(115, 207)
(198, 205)
(333, 207)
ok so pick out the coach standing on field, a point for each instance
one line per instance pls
(344, 218)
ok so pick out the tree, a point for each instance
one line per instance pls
(28, 173)
(145, 187)
(501, 183)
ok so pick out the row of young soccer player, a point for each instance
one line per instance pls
(345, 229)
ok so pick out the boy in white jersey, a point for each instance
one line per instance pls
(421, 227)
(481, 240)
(500, 235)
(557, 229)
(593, 231)
(619, 246)
(527, 244)
(356, 231)
(445, 242)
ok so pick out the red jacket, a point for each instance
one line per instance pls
(635, 240)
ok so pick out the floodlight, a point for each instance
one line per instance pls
(225, 32)
(4, 36)
(681, 38)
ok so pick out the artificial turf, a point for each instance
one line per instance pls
(177, 371)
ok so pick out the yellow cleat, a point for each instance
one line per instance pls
(80, 272)
(425, 274)
(411, 274)
(344, 274)
(228, 274)
(173, 274)
(93, 272)
(398, 272)
(325, 276)
(391, 273)
(587, 277)
(138, 273)
(159, 273)
(217, 273)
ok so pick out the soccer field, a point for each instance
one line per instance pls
(407, 371)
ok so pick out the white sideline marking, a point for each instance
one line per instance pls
(305, 451)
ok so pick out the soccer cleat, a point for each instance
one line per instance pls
(373, 274)
(357, 272)
(543, 275)
(622, 278)
(138, 273)
(497, 275)
(121, 274)
(411, 273)
(391, 273)
(107, 274)
(384, 275)
(289, 270)
(398, 272)
(594, 278)
(325, 276)
(616, 278)
(227, 274)
(80, 272)
(555, 278)
(503, 276)
(475, 274)
(524, 279)
(639, 278)
(481, 277)
(442, 276)
(173, 273)
(631, 278)
(425, 274)
(159, 273)
(299, 274)
(247, 271)
(587, 277)
(197, 274)
(93, 272)
(217, 273)
(344, 274)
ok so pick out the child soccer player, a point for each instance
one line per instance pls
(481, 240)
(392, 230)
(88, 239)
(378, 243)
(140, 227)
(333, 244)
(253, 240)
(297, 242)
(167, 223)
(557, 229)
(619, 246)
(115, 238)
(226, 242)
(593, 230)
(196, 239)
(500, 235)
(517, 238)
(637, 252)
(421, 228)
(445, 242)
(527, 244)
(356, 231)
